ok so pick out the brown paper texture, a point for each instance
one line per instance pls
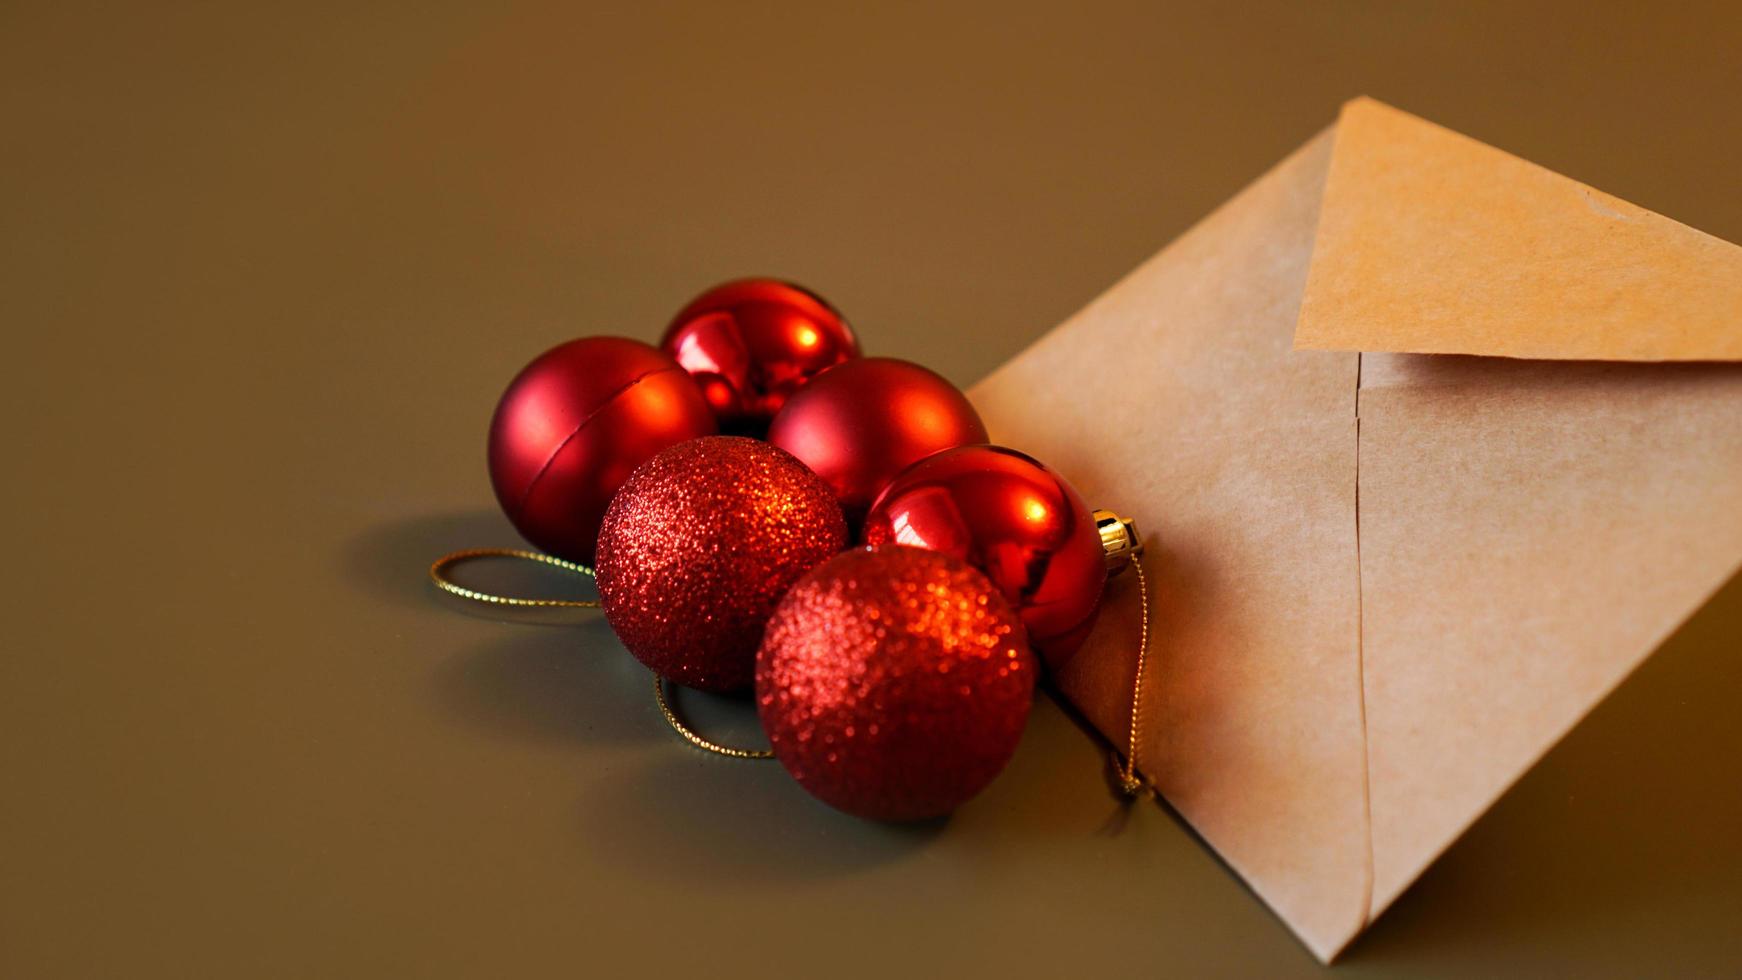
(1383, 585)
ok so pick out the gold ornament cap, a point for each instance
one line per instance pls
(1119, 540)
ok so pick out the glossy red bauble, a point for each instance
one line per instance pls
(894, 682)
(574, 424)
(700, 544)
(860, 424)
(751, 343)
(1012, 518)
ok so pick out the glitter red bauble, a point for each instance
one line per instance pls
(574, 424)
(894, 682)
(753, 342)
(1012, 518)
(860, 424)
(700, 544)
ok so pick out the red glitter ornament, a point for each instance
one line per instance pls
(753, 342)
(574, 424)
(1012, 518)
(894, 683)
(700, 544)
(860, 424)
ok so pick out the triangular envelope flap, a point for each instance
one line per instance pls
(1431, 242)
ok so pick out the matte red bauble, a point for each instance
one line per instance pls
(860, 424)
(894, 682)
(753, 342)
(574, 424)
(1013, 519)
(700, 544)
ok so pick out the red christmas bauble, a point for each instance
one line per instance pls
(1013, 519)
(574, 424)
(894, 682)
(860, 424)
(751, 343)
(700, 544)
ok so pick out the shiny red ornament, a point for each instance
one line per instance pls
(860, 424)
(751, 343)
(700, 544)
(1012, 518)
(574, 424)
(894, 683)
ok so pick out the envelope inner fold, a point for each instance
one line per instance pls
(1530, 533)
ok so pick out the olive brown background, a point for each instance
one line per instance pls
(264, 270)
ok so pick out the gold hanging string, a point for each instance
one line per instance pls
(1122, 547)
(677, 725)
(1130, 782)
(438, 574)
(1118, 537)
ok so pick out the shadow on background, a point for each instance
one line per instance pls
(648, 806)
(392, 561)
(560, 683)
(684, 815)
(1632, 824)
(567, 677)
(673, 811)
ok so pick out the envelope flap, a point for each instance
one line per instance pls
(1431, 242)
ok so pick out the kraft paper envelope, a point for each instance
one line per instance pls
(1385, 582)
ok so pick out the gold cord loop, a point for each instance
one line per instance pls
(1122, 547)
(438, 575)
(1130, 782)
(691, 737)
(1118, 537)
